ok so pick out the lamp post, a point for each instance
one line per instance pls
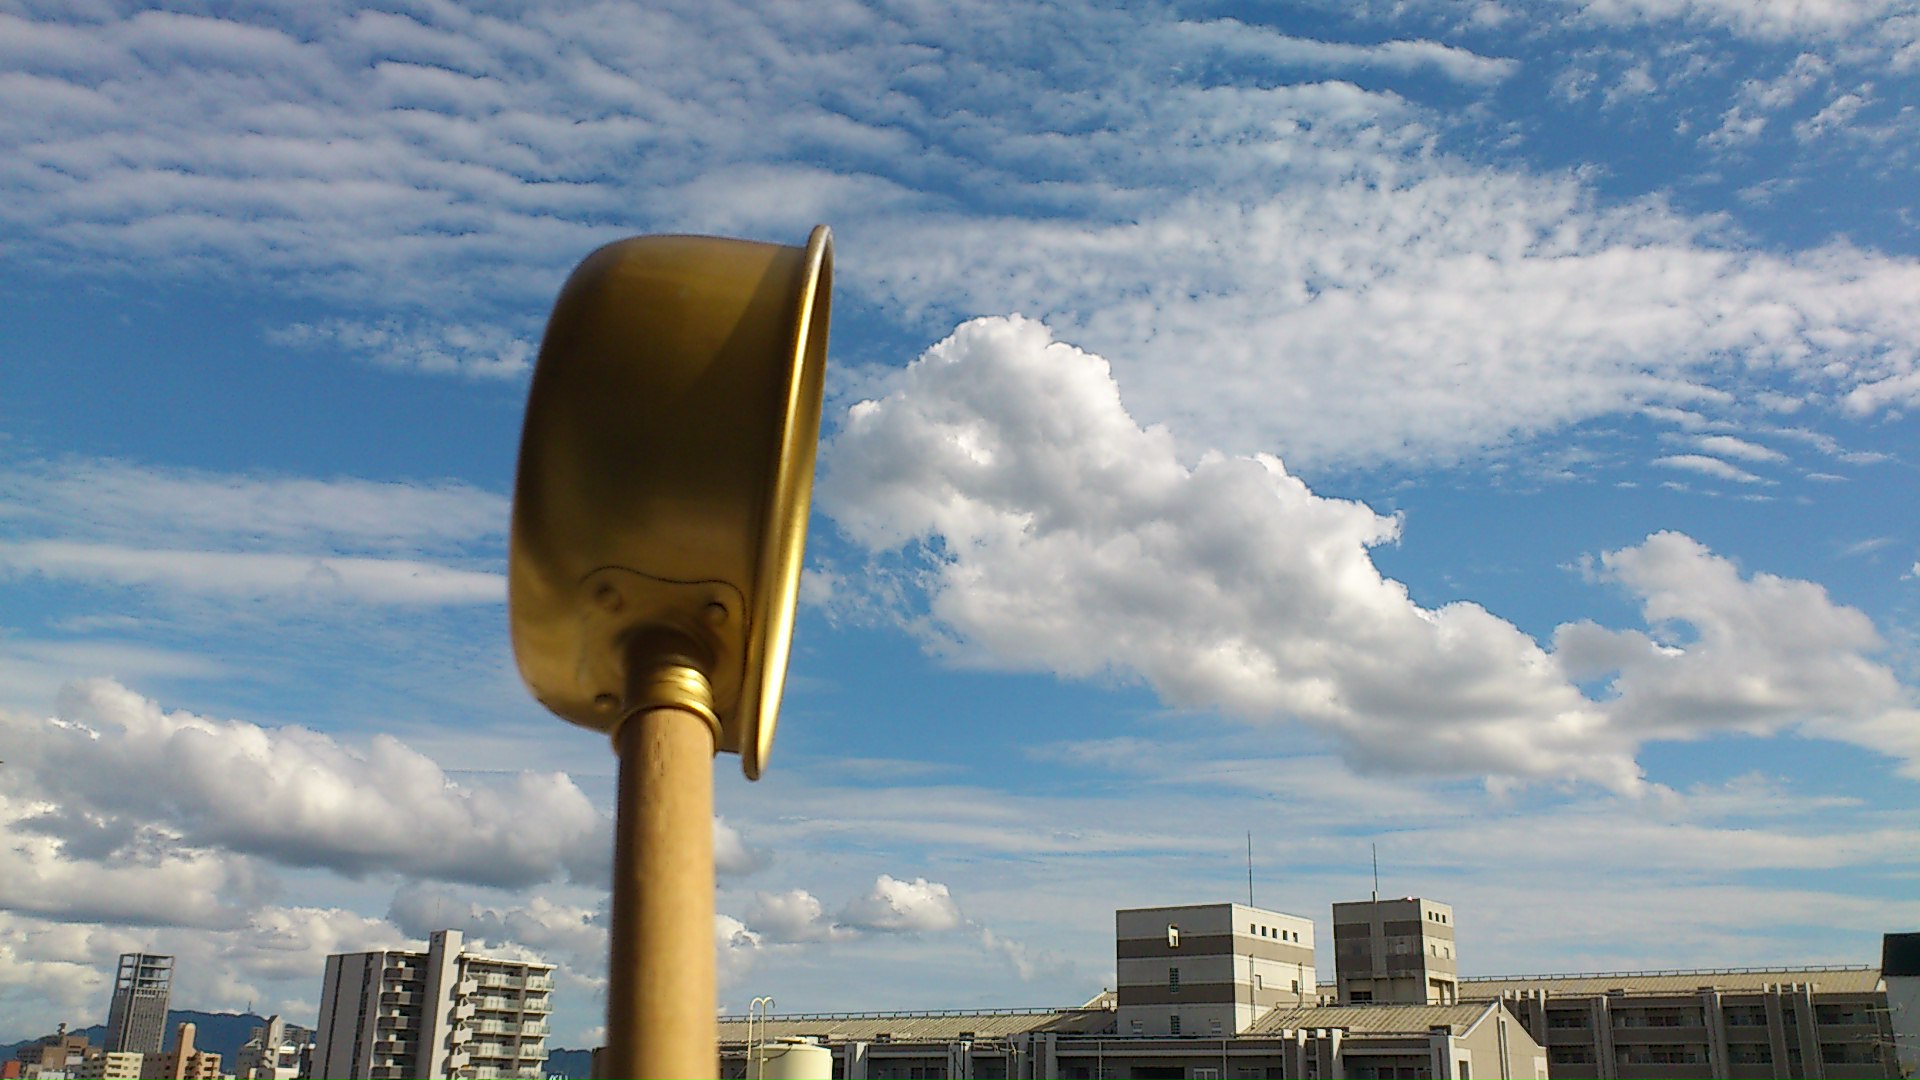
(659, 518)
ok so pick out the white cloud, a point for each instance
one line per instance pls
(1000, 474)
(240, 575)
(795, 915)
(1838, 115)
(106, 499)
(1729, 446)
(1258, 43)
(1756, 654)
(479, 351)
(1708, 466)
(133, 778)
(894, 906)
(550, 932)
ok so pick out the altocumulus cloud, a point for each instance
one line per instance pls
(1001, 474)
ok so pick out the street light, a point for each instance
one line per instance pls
(659, 517)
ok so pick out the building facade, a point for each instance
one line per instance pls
(441, 1013)
(277, 1050)
(1395, 952)
(184, 1062)
(1900, 967)
(1827, 1022)
(137, 1018)
(1208, 969)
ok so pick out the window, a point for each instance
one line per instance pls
(1214, 1028)
(1139, 1027)
(1259, 983)
(1173, 1024)
(1360, 996)
(1296, 986)
(1173, 935)
(1570, 1055)
(1173, 980)
(1206, 1074)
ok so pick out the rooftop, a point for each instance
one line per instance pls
(1853, 979)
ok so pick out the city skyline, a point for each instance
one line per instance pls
(1433, 425)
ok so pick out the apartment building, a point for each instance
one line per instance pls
(441, 1013)
(184, 1062)
(277, 1050)
(1208, 969)
(137, 1017)
(122, 1065)
(1395, 952)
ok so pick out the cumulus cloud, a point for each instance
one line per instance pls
(118, 775)
(1755, 654)
(793, 916)
(550, 932)
(895, 906)
(1001, 476)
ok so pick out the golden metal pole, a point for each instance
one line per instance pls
(660, 981)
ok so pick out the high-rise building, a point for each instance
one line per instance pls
(1395, 951)
(442, 1013)
(1208, 969)
(137, 1019)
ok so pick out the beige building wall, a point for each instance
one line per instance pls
(1208, 969)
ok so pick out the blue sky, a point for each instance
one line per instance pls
(1477, 430)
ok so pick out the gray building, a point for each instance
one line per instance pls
(1395, 951)
(1900, 966)
(137, 1017)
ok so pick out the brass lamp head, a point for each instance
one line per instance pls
(666, 469)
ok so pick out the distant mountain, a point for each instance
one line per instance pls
(574, 1063)
(220, 1033)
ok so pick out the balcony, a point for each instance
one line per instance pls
(538, 1005)
(539, 982)
(534, 1029)
(533, 1051)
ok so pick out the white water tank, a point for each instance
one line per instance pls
(791, 1059)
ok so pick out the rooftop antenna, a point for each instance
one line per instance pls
(1376, 873)
(1249, 868)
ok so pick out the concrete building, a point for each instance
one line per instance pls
(276, 1051)
(184, 1062)
(1900, 966)
(442, 1013)
(1395, 951)
(137, 1018)
(59, 1052)
(1208, 969)
(123, 1065)
(1460, 1041)
(1816, 1022)
(1828, 1022)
